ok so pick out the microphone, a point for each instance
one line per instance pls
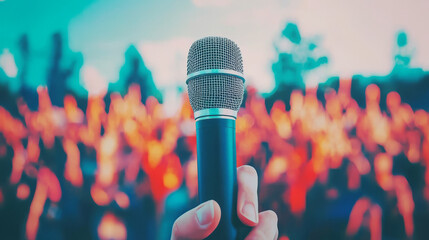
(215, 87)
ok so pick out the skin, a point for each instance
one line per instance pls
(201, 221)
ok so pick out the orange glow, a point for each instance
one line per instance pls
(414, 147)
(73, 113)
(108, 145)
(130, 126)
(373, 93)
(383, 163)
(356, 215)
(155, 152)
(393, 147)
(186, 111)
(111, 227)
(122, 200)
(383, 171)
(107, 161)
(353, 182)
(50, 180)
(281, 120)
(99, 196)
(33, 149)
(405, 203)
(23, 191)
(294, 149)
(73, 172)
(106, 173)
(170, 180)
(357, 219)
(275, 168)
(173, 174)
(345, 87)
(422, 119)
(297, 197)
(18, 163)
(12, 129)
(36, 209)
(375, 222)
(192, 177)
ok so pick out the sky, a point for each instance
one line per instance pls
(358, 36)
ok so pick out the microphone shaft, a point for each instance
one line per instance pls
(217, 172)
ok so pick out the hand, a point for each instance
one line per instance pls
(200, 222)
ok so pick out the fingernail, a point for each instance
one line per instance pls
(249, 211)
(205, 214)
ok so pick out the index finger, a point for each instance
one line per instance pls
(247, 195)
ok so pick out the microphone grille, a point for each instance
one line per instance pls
(215, 90)
(214, 53)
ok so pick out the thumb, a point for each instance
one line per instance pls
(197, 223)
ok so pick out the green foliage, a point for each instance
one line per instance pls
(401, 40)
(302, 55)
(403, 52)
(291, 32)
(135, 71)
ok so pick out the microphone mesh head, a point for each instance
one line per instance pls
(215, 90)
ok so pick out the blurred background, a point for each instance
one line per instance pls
(97, 137)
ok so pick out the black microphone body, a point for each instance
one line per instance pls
(217, 172)
(216, 86)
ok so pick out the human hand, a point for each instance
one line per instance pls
(201, 221)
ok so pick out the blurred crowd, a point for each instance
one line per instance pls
(120, 169)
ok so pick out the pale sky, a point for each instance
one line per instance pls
(358, 36)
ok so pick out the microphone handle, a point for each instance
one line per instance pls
(217, 173)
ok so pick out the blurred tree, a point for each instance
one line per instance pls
(29, 94)
(39, 20)
(296, 57)
(24, 47)
(409, 81)
(135, 71)
(63, 67)
(59, 78)
(403, 52)
(403, 69)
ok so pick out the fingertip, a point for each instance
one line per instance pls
(215, 218)
(205, 214)
(217, 213)
(247, 196)
(197, 223)
(247, 174)
(248, 214)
